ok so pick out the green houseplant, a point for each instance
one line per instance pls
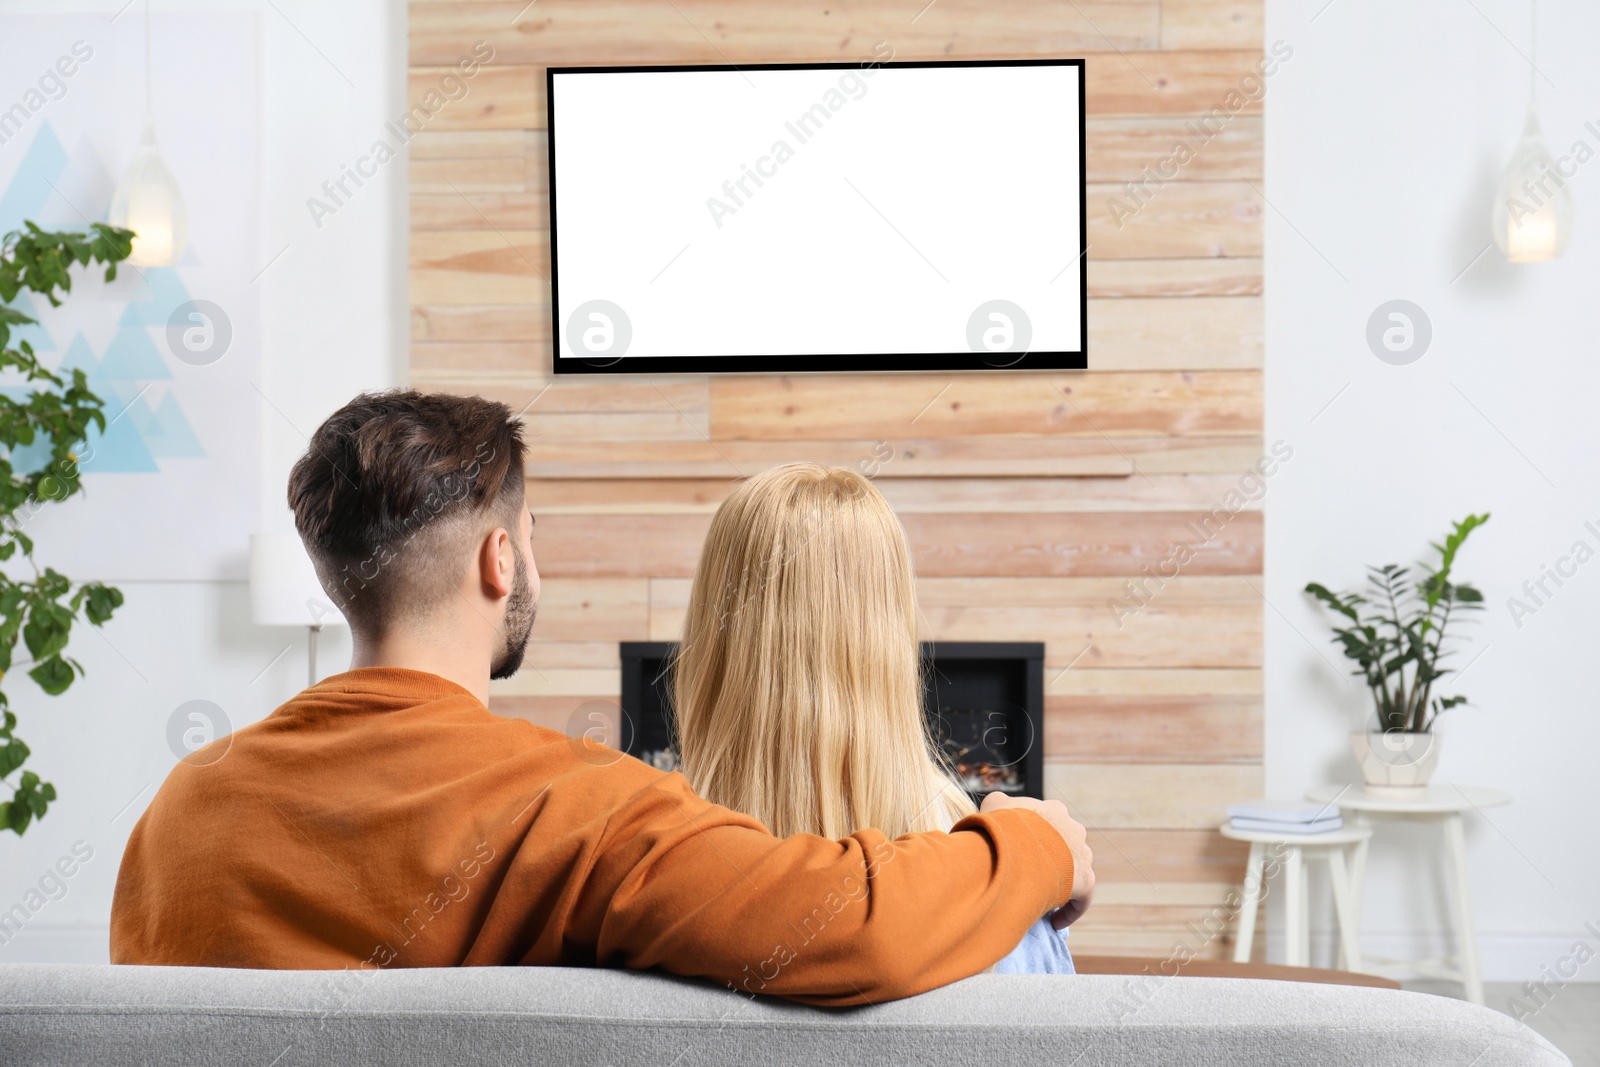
(49, 413)
(1397, 632)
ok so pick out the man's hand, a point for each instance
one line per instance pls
(1055, 813)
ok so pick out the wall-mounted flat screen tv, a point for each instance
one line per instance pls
(818, 217)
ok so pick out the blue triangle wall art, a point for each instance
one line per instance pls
(169, 435)
(33, 184)
(119, 448)
(136, 432)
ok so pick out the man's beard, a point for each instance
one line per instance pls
(518, 624)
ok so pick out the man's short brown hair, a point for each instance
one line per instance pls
(393, 492)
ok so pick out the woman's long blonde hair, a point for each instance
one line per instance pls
(798, 692)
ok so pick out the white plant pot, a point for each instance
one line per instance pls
(1398, 761)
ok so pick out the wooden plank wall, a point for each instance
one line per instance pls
(1030, 499)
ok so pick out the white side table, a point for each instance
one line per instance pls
(1293, 851)
(1437, 805)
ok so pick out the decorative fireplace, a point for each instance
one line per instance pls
(984, 702)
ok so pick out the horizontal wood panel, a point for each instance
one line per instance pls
(1121, 278)
(1038, 592)
(1126, 334)
(599, 546)
(482, 181)
(1151, 857)
(1203, 928)
(1131, 84)
(1166, 894)
(1179, 636)
(458, 176)
(1163, 492)
(1087, 681)
(1120, 149)
(1178, 220)
(1204, 623)
(958, 594)
(1211, 24)
(1076, 544)
(547, 681)
(471, 144)
(599, 610)
(625, 32)
(498, 97)
(1144, 796)
(1198, 455)
(628, 496)
(1082, 404)
(917, 457)
(471, 366)
(1156, 945)
(577, 427)
(974, 457)
(1179, 82)
(1175, 635)
(1144, 334)
(531, 395)
(997, 545)
(511, 96)
(465, 208)
(495, 322)
(547, 653)
(484, 266)
(1153, 729)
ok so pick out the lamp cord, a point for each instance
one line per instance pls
(147, 59)
(1533, 49)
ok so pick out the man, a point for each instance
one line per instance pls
(384, 818)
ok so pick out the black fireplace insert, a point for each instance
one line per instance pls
(984, 703)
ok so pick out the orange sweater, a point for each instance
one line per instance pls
(384, 818)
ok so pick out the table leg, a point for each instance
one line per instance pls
(1455, 843)
(1254, 879)
(1349, 939)
(1358, 874)
(1297, 935)
(1305, 907)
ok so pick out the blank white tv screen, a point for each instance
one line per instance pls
(823, 217)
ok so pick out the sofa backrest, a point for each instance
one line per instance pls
(70, 1015)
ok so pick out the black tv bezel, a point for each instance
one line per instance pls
(789, 364)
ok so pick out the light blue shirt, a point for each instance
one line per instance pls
(1042, 950)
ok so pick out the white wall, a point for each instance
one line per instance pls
(1386, 135)
(331, 308)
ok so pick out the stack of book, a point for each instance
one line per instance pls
(1285, 817)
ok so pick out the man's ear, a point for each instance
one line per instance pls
(496, 565)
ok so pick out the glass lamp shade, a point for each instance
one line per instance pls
(149, 202)
(1533, 209)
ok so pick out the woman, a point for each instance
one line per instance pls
(798, 690)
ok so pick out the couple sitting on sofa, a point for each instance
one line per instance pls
(384, 818)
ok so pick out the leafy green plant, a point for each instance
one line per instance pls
(55, 411)
(1397, 633)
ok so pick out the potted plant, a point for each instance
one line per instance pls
(46, 412)
(1397, 635)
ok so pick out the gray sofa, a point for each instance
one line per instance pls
(71, 1015)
